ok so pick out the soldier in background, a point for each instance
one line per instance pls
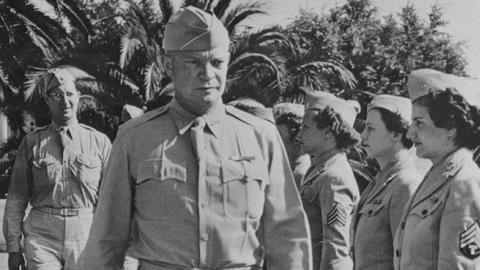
(57, 171)
(205, 185)
(440, 227)
(329, 190)
(378, 213)
(289, 117)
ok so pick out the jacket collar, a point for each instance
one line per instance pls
(440, 174)
(320, 163)
(184, 119)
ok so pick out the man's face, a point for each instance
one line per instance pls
(428, 139)
(376, 139)
(311, 137)
(63, 102)
(200, 78)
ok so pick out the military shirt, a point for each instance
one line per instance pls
(379, 211)
(329, 193)
(46, 174)
(241, 209)
(440, 226)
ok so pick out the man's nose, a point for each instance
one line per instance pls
(207, 71)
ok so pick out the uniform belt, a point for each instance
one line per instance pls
(168, 266)
(65, 212)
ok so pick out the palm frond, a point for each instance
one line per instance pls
(221, 8)
(167, 10)
(77, 17)
(262, 59)
(11, 38)
(242, 12)
(141, 19)
(152, 79)
(333, 69)
(128, 47)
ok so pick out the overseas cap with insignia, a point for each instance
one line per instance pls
(253, 107)
(193, 29)
(288, 108)
(422, 81)
(54, 78)
(347, 109)
(395, 104)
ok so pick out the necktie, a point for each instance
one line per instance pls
(197, 136)
(64, 138)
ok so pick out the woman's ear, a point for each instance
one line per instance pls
(452, 133)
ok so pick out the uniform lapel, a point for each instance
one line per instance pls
(440, 175)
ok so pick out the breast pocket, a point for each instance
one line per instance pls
(164, 183)
(371, 210)
(427, 208)
(244, 188)
(87, 169)
(46, 171)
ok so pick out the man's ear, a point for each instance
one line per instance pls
(167, 62)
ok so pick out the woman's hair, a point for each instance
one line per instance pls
(395, 123)
(448, 109)
(345, 135)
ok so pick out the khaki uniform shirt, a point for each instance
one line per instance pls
(329, 193)
(243, 207)
(46, 174)
(379, 211)
(440, 227)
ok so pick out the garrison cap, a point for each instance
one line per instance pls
(288, 108)
(422, 81)
(193, 29)
(253, 107)
(347, 109)
(54, 78)
(395, 104)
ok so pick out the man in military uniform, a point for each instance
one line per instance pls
(329, 190)
(204, 185)
(288, 117)
(57, 170)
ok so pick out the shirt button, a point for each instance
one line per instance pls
(204, 237)
(397, 252)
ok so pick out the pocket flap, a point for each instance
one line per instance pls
(160, 170)
(371, 209)
(234, 170)
(426, 208)
(89, 161)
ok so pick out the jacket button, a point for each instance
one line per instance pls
(370, 212)
(397, 253)
(424, 211)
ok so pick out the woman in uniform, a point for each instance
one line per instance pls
(378, 214)
(440, 226)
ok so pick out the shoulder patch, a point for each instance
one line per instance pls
(469, 241)
(134, 122)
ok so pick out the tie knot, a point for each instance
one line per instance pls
(199, 122)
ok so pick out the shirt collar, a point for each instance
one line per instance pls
(402, 160)
(184, 119)
(70, 130)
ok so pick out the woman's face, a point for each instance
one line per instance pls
(376, 139)
(430, 141)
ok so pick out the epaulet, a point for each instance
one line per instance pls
(87, 127)
(134, 122)
(247, 117)
(39, 129)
